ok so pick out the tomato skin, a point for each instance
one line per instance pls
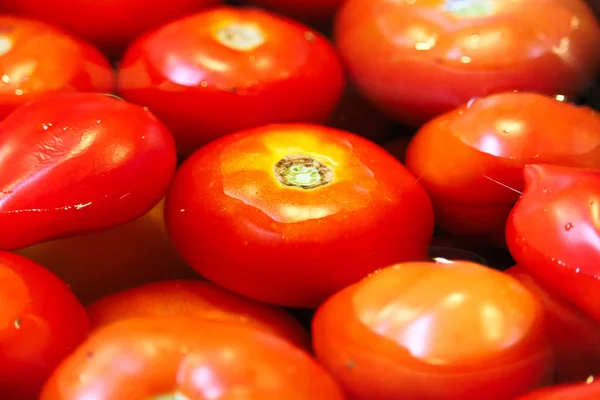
(313, 11)
(554, 232)
(436, 61)
(41, 321)
(74, 163)
(574, 336)
(199, 300)
(419, 331)
(110, 25)
(39, 58)
(581, 391)
(141, 358)
(202, 88)
(242, 228)
(471, 159)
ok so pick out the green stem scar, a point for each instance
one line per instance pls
(241, 37)
(302, 172)
(171, 396)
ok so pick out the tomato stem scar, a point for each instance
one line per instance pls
(302, 172)
(242, 37)
(171, 396)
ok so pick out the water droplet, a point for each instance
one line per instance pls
(182, 210)
(569, 226)
(472, 101)
(98, 121)
(18, 323)
(5, 78)
(19, 92)
(546, 191)
(6, 191)
(45, 127)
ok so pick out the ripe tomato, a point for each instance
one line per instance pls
(314, 11)
(574, 336)
(418, 59)
(589, 390)
(109, 24)
(199, 300)
(173, 358)
(434, 331)
(289, 214)
(229, 69)
(471, 159)
(36, 58)
(554, 232)
(73, 163)
(107, 261)
(41, 321)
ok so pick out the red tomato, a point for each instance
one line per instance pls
(420, 58)
(36, 58)
(229, 69)
(289, 214)
(471, 159)
(434, 331)
(574, 336)
(199, 300)
(41, 321)
(589, 390)
(315, 11)
(110, 24)
(160, 358)
(73, 163)
(554, 232)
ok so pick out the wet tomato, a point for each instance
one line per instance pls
(198, 300)
(171, 358)
(574, 336)
(73, 163)
(41, 322)
(434, 331)
(289, 214)
(314, 11)
(589, 390)
(36, 58)
(554, 232)
(471, 159)
(228, 69)
(418, 59)
(108, 24)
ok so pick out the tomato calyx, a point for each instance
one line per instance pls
(240, 36)
(302, 172)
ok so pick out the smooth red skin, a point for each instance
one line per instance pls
(312, 11)
(372, 366)
(109, 24)
(574, 335)
(41, 321)
(377, 39)
(198, 300)
(471, 160)
(298, 263)
(142, 358)
(249, 94)
(73, 163)
(582, 391)
(554, 232)
(45, 59)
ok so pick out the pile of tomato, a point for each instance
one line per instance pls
(299, 200)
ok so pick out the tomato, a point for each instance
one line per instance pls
(107, 261)
(421, 58)
(36, 58)
(229, 69)
(554, 232)
(41, 321)
(159, 358)
(589, 390)
(471, 159)
(199, 300)
(574, 336)
(289, 214)
(109, 24)
(73, 163)
(434, 331)
(315, 11)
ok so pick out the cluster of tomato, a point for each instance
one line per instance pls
(336, 165)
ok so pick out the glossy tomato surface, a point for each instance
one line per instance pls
(575, 337)
(434, 331)
(228, 69)
(109, 24)
(313, 11)
(199, 300)
(36, 58)
(289, 214)
(440, 53)
(186, 359)
(554, 232)
(471, 159)
(41, 322)
(589, 390)
(73, 163)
